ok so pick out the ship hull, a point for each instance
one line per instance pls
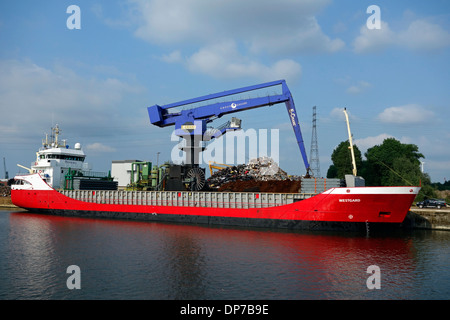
(337, 208)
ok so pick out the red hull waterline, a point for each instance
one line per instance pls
(334, 207)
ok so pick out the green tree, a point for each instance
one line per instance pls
(393, 163)
(427, 191)
(342, 160)
(332, 171)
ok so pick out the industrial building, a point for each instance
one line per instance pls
(121, 172)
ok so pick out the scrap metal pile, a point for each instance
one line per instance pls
(259, 175)
(5, 191)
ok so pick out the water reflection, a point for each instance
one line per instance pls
(32, 242)
(139, 260)
(185, 266)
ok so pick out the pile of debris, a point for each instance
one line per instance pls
(278, 186)
(259, 175)
(265, 169)
(5, 191)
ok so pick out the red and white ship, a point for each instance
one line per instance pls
(328, 207)
(340, 207)
(336, 207)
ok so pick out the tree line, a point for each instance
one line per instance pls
(391, 163)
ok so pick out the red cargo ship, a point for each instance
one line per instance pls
(336, 207)
(57, 168)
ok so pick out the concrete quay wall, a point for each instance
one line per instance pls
(434, 219)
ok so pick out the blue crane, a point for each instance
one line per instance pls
(190, 124)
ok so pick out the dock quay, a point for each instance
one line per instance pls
(5, 203)
(434, 219)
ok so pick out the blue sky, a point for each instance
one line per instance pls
(97, 82)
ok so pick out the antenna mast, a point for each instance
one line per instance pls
(4, 166)
(314, 153)
(351, 142)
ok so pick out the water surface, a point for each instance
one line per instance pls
(151, 260)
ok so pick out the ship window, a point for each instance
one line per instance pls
(21, 182)
(64, 157)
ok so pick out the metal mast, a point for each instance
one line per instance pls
(314, 153)
(4, 166)
(350, 140)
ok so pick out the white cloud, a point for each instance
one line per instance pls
(374, 40)
(426, 147)
(366, 143)
(308, 38)
(33, 97)
(124, 21)
(420, 35)
(99, 147)
(232, 34)
(424, 36)
(224, 61)
(338, 114)
(173, 57)
(358, 88)
(407, 114)
(261, 23)
(168, 21)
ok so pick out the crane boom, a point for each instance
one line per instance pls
(192, 122)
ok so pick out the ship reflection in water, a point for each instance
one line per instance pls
(140, 260)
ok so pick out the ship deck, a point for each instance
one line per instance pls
(236, 200)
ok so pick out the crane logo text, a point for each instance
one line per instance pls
(234, 148)
(292, 115)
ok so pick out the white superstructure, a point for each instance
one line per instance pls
(121, 171)
(55, 158)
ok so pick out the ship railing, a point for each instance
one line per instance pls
(89, 174)
(237, 200)
(22, 174)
